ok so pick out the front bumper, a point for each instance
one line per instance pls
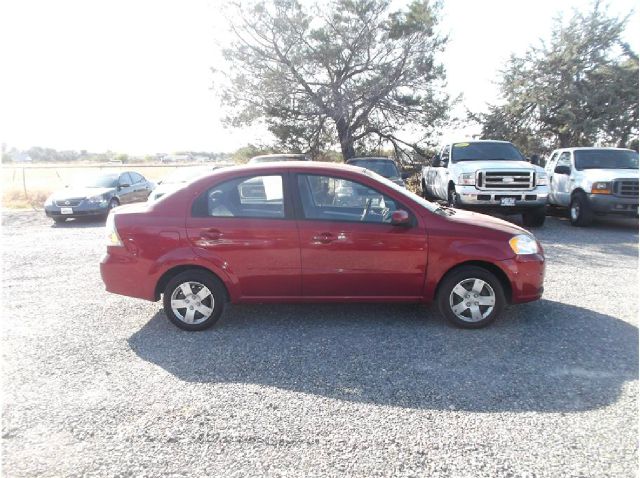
(610, 204)
(470, 196)
(526, 275)
(83, 209)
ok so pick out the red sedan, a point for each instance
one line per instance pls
(310, 232)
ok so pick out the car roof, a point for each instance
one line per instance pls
(597, 148)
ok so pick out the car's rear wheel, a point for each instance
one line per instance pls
(194, 300)
(471, 297)
(534, 217)
(580, 210)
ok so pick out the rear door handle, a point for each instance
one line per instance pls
(323, 238)
(210, 234)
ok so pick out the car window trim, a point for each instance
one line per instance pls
(289, 214)
(299, 211)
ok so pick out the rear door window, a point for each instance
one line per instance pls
(257, 196)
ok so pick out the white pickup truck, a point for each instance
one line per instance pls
(487, 176)
(593, 181)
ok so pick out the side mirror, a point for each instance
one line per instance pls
(436, 162)
(562, 170)
(400, 218)
(405, 175)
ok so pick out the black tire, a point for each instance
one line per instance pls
(534, 217)
(470, 273)
(59, 220)
(580, 212)
(216, 302)
(113, 203)
(452, 197)
(425, 193)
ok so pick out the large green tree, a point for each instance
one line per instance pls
(580, 88)
(344, 72)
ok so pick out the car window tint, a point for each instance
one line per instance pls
(135, 177)
(564, 159)
(445, 153)
(336, 199)
(258, 196)
(125, 179)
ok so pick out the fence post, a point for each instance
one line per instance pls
(24, 184)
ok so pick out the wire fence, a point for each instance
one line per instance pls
(32, 184)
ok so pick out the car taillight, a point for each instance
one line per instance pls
(113, 239)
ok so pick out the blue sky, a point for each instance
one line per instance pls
(134, 76)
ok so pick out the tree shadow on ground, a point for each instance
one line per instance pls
(544, 356)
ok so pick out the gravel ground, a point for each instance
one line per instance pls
(101, 385)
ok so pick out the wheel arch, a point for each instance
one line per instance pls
(488, 266)
(174, 271)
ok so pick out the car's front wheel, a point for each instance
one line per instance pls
(580, 210)
(471, 297)
(194, 300)
(59, 220)
(534, 217)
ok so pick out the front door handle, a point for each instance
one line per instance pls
(210, 234)
(323, 238)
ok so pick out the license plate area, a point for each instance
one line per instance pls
(66, 210)
(508, 201)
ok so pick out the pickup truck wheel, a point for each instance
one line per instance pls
(580, 211)
(471, 297)
(534, 218)
(452, 198)
(194, 300)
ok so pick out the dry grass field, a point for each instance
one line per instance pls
(41, 180)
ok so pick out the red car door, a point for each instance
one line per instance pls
(348, 246)
(246, 224)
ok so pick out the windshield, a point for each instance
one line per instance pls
(605, 159)
(383, 167)
(405, 192)
(104, 181)
(182, 175)
(485, 151)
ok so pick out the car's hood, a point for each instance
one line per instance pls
(472, 166)
(609, 174)
(79, 192)
(488, 222)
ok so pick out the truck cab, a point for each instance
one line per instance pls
(488, 176)
(593, 181)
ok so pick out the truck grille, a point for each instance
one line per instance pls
(495, 179)
(626, 187)
(68, 202)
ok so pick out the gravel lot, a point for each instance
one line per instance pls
(101, 385)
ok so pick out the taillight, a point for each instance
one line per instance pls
(113, 239)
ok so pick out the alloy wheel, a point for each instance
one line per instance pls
(472, 300)
(192, 302)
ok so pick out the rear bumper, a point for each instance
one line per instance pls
(124, 274)
(609, 204)
(526, 275)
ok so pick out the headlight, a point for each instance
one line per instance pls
(467, 178)
(524, 244)
(601, 188)
(541, 179)
(49, 201)
(100, 200)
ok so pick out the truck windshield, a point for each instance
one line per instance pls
(605, 159)
(383, 167)
(485, 151)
